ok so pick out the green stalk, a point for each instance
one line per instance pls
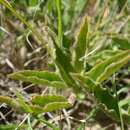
(115, 91)
(121, 118)
(34, 31)
(29, 123)
(60, 33)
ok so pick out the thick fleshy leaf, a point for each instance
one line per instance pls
(39, 77)
(80, 46)
(43, 100)
(103, 70)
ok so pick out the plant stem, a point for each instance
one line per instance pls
(121, 119)
(115, 91)
(29, 123)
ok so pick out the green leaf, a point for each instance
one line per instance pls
(80, 46)
(101, 56)
(122, 43)
(42, 104)
(48, 103)
(39, 77)
(9, 101)
(56, 106)
(50, 107)
(8, 127)
(43, 100)
(107, 102)
(32, 2)
(24, 106)
(18, 105)
(125, 109)
(113, 68)
(12, 127)
(103, 70)
(85, 81)
(124, 102)
(62, 62)
(36, 109)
